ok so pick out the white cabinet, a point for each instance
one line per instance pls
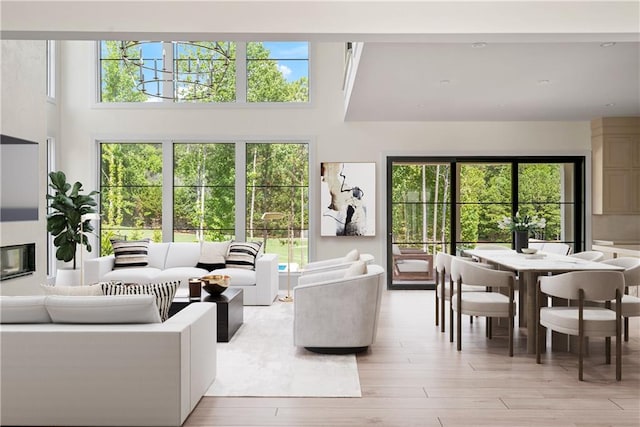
(616, 165)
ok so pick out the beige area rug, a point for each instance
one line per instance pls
(261, 360)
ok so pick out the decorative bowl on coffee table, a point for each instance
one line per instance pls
(215, 284)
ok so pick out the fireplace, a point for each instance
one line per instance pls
(17, 260)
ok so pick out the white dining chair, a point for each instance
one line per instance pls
(444, 287)
(488, 304)
(588, 255)
(630, 303)
(582, 320)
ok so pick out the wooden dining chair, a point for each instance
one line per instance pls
(582, 320)
(630, 303)
(487, 304)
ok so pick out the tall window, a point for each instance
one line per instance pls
(278, 181)
(51, 167)
(207, 187)
(203, 191)
(130, 192)
(203, 71)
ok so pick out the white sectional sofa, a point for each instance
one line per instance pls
(178, 260)
(62, 374)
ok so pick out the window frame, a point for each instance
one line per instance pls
(167, 145)
(241, 82)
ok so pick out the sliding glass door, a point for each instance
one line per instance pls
(454, 203)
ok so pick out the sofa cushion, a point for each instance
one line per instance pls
(86, 290)
(242, 255)
(132, 275)
(102, 309)
(130, 253)
(358, 268)
(23, 309)
(182, 254)
(163, 292)
(213, 255)
(158, 254)
(239, 276)
(180, 274)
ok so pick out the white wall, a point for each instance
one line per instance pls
(23, 116)
(332, 139)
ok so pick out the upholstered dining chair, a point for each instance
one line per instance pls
(444, 287)
(630, 303)
(488, 304)
(582, 320)
(588, 255)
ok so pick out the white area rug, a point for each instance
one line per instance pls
(261, 360)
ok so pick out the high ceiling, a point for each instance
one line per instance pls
(495, 81)
(542, 60)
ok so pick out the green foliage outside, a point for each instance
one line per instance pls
(421, 197)
(206, 72)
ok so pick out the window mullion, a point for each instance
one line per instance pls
(167, 196)
(241, 191)
(241, 72)
(168, 84)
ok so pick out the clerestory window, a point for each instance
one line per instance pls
(203, 72)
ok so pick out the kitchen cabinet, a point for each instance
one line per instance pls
(615, 143)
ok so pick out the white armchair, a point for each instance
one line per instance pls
(338, 314)
(339, 263)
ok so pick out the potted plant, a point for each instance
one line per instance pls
(67, 207)
(521, 226)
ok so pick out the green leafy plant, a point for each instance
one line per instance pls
(522, 223)
(67, 206)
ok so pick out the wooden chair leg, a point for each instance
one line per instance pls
(626, 329)
(450, 321)
(442, 313)
(511, 321)
(619, 336)
(489, 327)
(471, 320)
(580, 344)
(437, 308)
(607, 350)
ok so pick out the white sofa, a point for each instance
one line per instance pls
(153, 374)
(177, 261)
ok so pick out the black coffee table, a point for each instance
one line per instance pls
(229, 309)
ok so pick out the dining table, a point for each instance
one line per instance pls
(529, 267)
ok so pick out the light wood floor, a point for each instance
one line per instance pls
(413, 376)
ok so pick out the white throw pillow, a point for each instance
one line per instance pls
(86, 290)
(23, 309)
(358, 268)
(103, 309)
(213, 255)
(352, 255)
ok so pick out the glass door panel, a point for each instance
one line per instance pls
(420, 221)
(483, 197)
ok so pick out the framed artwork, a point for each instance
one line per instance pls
(348, 199)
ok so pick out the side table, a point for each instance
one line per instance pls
(230, 312)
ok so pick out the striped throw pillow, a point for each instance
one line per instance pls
(164, 293)
(131, 253)
(243, 255)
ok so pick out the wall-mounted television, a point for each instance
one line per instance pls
(19, 172)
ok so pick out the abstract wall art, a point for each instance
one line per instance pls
(348, 199)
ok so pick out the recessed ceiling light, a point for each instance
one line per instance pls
(607, 44)
(544, 82)
(445, 82)
(478, 45)
(611, 104)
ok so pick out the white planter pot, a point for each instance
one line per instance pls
(68, 277)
